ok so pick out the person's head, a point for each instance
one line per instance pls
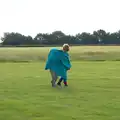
(66, 47)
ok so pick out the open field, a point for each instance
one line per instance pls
(76, 53)
(93, 92)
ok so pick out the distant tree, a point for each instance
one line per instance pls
(87, 38)
(16, 39)
(101, 35)
(114, 38)
(58, 34)
(41, 38)
(54, 38)
(58, 37)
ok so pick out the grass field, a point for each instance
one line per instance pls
(77, 53)
(93, 92)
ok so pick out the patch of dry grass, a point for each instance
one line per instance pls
(76, 53)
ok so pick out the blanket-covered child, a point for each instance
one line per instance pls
(58, 63)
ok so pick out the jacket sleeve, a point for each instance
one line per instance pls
(66, 62)
(47, 61)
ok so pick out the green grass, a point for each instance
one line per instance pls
(93, 92)
(109, 53)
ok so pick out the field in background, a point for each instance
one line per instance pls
(76, 53)
(93, 92)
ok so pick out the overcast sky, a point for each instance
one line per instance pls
(30, 17)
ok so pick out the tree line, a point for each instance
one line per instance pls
(58, 37)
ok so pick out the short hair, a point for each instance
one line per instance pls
(66, 47)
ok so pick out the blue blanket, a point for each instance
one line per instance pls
(59, 62)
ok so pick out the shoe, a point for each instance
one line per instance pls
(53, 85)
(66, 85)
(59, 84)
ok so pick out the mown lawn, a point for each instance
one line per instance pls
(93, 92)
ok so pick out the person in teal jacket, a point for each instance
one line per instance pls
(58, 63)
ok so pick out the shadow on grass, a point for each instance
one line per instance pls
(70, 89)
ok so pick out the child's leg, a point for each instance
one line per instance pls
(60, 80)
(65, 82)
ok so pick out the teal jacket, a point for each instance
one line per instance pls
(59, 62)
